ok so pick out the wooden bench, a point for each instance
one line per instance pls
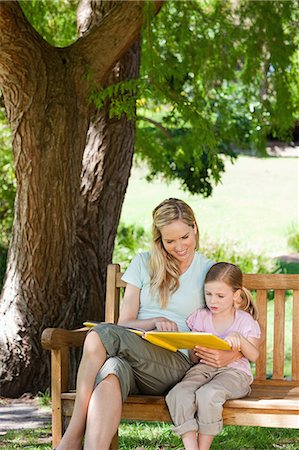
(274, 401)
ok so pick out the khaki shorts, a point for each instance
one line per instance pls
(196, 403)
(140, 366)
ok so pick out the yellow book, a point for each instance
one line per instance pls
(173, 340)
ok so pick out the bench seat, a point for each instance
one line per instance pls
(268, 405)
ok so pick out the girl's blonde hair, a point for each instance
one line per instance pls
(231, 275)
(164, 269)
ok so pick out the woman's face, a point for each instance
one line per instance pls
(179, 241)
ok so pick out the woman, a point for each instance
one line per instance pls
(163, 288)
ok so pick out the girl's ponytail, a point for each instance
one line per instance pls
(246, 303)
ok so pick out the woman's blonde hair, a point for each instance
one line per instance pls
(232, 275)
(164, 269)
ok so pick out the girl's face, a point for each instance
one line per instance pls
(178, 239)
(220, 297)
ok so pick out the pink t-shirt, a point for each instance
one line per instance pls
(244, 323)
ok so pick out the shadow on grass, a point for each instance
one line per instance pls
(31, 439)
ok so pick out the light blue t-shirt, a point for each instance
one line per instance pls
(182, 303)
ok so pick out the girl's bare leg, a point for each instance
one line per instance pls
(94, 356)
(205, 441)
(190, 440)
(104, 414)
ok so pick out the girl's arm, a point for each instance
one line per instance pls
(216, 358)
(248, 346)
(129, 313)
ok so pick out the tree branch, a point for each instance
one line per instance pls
(157, 125)
(20, 46)
(102, 47)
(15, 27)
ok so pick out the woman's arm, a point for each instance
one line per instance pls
(129, 313)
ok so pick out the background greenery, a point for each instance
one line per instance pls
(254, 208)
(251, 216)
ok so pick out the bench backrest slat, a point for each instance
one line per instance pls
(112, 293)
(261, 300)
(271, 281)
(261, 283)
(279, 330)
(295, 336)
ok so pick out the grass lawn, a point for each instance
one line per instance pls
(158, 436)
(255, 204)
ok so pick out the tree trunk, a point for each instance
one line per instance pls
(106, 169)
(69, 199)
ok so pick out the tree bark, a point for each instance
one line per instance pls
(68, 199)
(106, 169)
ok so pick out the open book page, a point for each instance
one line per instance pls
(90, 323)
(173, 340)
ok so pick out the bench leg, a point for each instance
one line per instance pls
(59, 382)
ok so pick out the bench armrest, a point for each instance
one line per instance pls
(56, 338)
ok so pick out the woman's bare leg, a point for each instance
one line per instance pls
(104, 414)
(94, 356)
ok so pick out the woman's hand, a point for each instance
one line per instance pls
(163, 324)
(129, 313)
(193, 357)
(216, 358)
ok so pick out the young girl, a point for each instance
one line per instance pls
(195, 404)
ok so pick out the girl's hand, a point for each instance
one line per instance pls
(234, 339)
(216, 358)
(163, 324)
